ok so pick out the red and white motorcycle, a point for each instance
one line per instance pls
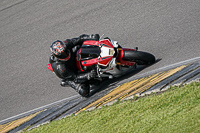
(109, 59)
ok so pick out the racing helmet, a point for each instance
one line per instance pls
(60, 51)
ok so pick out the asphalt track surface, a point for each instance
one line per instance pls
(170, 29)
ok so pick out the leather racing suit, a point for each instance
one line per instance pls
(67, 70)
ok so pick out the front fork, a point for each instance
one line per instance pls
(120, 60)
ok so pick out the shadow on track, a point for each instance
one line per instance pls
(112, 83)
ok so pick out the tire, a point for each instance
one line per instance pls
(141, 58)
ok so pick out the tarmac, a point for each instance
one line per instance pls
(119, 89)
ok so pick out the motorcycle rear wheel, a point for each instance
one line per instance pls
(140, 57)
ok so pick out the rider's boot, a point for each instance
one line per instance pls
(82, 89)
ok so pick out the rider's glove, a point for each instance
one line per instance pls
(86, 76)
(91, 74)
(89, 37)
(95, 37)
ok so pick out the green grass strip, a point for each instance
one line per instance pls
(174, 111)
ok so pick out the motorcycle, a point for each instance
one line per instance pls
(109, 59)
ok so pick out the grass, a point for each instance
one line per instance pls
(174, 111)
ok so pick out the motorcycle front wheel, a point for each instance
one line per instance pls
(140, 57)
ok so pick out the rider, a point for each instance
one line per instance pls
(63, 61)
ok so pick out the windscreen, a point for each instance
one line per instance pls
(89, 52)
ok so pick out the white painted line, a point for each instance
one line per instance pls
(57, 102)
(36, 110)
(180, 63)
(169, 67)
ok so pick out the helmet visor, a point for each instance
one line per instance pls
(58, 48)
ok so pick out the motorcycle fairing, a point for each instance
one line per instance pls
(50, 67)
(105, 54)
